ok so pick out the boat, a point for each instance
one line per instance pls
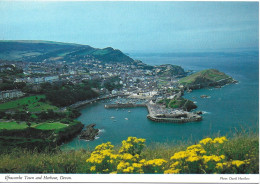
(129, 111)
(112, 117)
(126, 118)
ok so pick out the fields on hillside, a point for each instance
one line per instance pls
(31, 104)
(42, 126)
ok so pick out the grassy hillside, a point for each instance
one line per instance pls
(237, 154)
(206, 78)
(46, 50)
(31, 104)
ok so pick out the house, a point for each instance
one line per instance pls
(10, 94)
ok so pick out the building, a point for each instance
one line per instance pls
(10, 94)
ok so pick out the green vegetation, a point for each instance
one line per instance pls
(241, 151)
(50, 126)
(40, 50)
(32, 104)
(113, 83)
(8, 73)
(12, 125)
(170, 70)
(46, 135)
(23, 125)
(67, 94)
(206, 78)
(181, 103)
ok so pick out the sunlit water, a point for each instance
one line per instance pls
(228, 108)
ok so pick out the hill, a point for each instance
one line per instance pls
(169, 70)
(206, 78)
(25, 50)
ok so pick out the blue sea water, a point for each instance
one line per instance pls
(228, 109)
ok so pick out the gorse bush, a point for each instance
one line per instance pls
(206, 157)
(238, 154)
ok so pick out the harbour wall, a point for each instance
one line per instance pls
(189, 117)
(128, 105)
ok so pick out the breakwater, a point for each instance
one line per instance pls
(85, 102)
(155, 115)
(127, 105)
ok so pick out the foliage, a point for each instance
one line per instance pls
(112, 83)
(206, 78)
(12, 125)
(240, 152)
(50, 126)
(67, 94)
(30, 103)
(206, 157)
(178, 103)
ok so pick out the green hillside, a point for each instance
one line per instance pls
(33, 50)
(206, 78)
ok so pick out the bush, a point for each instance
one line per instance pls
(209, 156)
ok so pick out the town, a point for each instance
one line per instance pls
(135, 80)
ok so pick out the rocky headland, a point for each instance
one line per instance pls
(206, 78)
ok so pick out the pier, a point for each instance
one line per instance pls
(157, 113)
(127, 105)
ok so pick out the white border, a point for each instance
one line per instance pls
(130, 178)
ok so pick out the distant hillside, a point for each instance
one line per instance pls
(57, 51)
(170, 70)
(206, 78)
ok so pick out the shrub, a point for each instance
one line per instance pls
(208, 156)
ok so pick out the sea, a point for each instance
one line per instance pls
(227, 110)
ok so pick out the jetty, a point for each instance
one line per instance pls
(86, 102)
(127, 105)
(175, 116)
(158, 113)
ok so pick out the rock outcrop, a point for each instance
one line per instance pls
(90, 133)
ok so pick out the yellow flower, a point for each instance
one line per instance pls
(104, 146)
(196, 146)
(137, 165)
(220, 140)
(155, 162)
(122, 165)
(175, 164)
(193, 159)
(222, 156)
(142, 161)
(105, 170)
(179, 155)
(92, 168)
(219, 165)
(202, 151)
(212, 158)
(126, 156)
(128, 170)
(237, 163)
(172, 171)
(206, 141)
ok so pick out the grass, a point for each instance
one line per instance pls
(240, 146)
(12, 125)
(209, 74)
(50, 126)
(42, 126)
(31, 104)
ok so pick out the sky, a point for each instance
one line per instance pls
(136, 26)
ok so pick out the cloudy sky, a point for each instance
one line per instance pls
(136, 26)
